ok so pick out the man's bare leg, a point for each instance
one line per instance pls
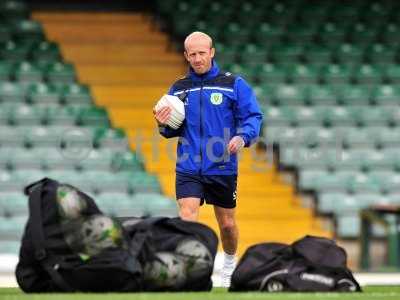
(229, 237)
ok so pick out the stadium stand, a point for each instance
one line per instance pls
(128, 66)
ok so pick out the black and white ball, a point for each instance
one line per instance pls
(177, 110)
(166, 271)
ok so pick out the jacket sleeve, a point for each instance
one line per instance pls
(248, 115)
(167, 131)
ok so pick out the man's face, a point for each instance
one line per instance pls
(199, 55)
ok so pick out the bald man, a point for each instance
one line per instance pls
(222, 117)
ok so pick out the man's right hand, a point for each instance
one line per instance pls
(162, 116)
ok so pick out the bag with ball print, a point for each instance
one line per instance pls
(177, 255)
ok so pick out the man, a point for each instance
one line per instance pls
(222, 117)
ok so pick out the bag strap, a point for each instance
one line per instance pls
(38, 240)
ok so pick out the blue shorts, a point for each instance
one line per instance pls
(219, 190)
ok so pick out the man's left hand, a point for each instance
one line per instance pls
(235, 144)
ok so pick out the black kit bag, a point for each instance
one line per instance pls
(177, 255)
(311, 264)
(47, 263)
(125, 255)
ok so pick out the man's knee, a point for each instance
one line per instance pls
(189, 209)
(188, 213)
(228, 226)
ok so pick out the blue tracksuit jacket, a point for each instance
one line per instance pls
(218, 106)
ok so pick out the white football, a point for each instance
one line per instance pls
(177, 110)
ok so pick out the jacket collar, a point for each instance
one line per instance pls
(210, 74)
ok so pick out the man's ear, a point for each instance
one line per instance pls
(186, 55)
(212, 52)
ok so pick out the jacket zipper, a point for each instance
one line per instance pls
(201, 127)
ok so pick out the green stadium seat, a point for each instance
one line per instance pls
(106, 181)
(310, 158)
(8, 181)
(387, 137)
(349, 11)
(121, 205)
(393, 73)
(60, 72)
(349, 54)
(314, 13)
(28, 30)
(264, 93)
(289, 94)
(92, 116)
(338, 116)
(318, 55)
(348, 226)
(391, 159)
(13, 204)
(157, 204)
(386, 94)
(355, 137)
(302, 33)
(41, 93)
(354, 94)
(286, 53)
(253, 55)
(391, 34)
(11, 10)
(325, 181)
(336, 74)
(75, 93)
(15, 52)
(322, 95)
(368, 74)
(226, 54)
(303, 73)
(278, 116)
(389, 181)
(332, 34)
(27, 115)
(12, 136)
(25, 177)
(12, 92)
(341, 203)
(362, 183)
(5, 32)
(97, 160)
(361, 33)
(247, 72)
(10, 247)
(28, 72)
(46, 52)
(378, 116)
(61, 116)
(21, 158)
(59, 159)
(268, 34)
(127, 161)
(271, 74)
(281, 13)
(378, 53)
(309, 116)
(235, 34)
(110, 138)
(12, 228)
(6, 69)
(141, 182)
